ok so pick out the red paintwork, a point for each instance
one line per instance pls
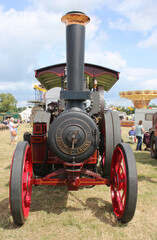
(37, 139)
(91, 69)
(73, 180)
(119, 182)
(70, 175)
(27, 182)
(39, 128)
(38, 148)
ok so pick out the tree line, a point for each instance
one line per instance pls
(9, 103)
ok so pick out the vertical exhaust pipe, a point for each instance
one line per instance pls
(75, 43)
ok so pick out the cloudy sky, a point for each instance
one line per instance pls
(122, 35)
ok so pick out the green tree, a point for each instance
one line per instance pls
(7, 103)
(20, 109)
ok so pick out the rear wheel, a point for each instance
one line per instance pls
(27, 137)
(20, 183)
(123, 183)
(154, 146)
(116, 129)
(111, 137)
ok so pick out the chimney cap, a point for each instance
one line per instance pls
(75, 17)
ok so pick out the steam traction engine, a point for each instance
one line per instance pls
(75, 135)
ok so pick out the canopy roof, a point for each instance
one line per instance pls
(50, 76)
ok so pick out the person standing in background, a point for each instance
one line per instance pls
(13, 131)
(139, 134)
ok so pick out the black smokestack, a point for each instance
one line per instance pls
(75, 42)
(75, 39)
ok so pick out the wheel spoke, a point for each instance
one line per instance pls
(27, 200)
(120, 202)
(24, 181)
(123, 195)
(122, 167)
(119, 161)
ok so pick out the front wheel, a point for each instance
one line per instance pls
(20, 187)
(123, 183)
(153, 146)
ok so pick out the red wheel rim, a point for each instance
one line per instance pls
(119, 182)
(26, 182)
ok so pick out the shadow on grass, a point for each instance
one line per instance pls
(6, 221)
(145, 158)
(49, 199)
(53, 199)
(101, 209)
(145, 178)
(8, 167)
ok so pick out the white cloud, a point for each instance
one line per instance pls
(151, 41)
(30, 69)
(68, 5)
(7, 86)
(15, 86)
(104, 58)
(139, 78)
(22, 104)
(92, 27)
(29, 30)
(23, 36)
(150, 84)
(137, 15)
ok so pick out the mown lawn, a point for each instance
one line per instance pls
(83, 215)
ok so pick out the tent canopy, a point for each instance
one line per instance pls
(50, 76)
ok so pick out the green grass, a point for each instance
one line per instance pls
(83, 215)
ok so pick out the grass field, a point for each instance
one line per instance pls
(83, 215)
